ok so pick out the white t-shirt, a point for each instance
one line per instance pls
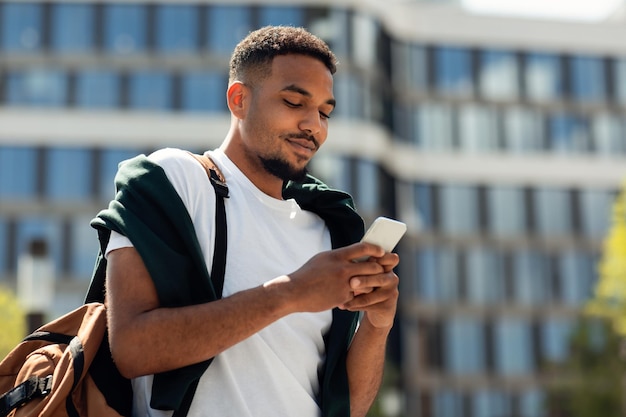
(275, 371)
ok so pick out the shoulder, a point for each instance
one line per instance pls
(171, 158)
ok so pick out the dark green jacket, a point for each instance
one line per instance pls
(148, 210)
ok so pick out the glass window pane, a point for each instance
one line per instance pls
(204, 91)
(555, 334)
(513, 346)
(124, 28)
(552, 212)
(177, 28)
(424, 204)
(72, 27)
(368, 186)
(427, 275)
(227, 25)
(448, 275)
(281, 15)
(478, 128)
(464, 349)
(97, 89)
(150, 90)
(453, 71)
(543, 77)
(18, 172)
(484, 277)
(350, 92)
(434, 127)
(68, 174)
(523, 130)
(619, 82)
(459, 209)
(588, 79)
(364, 34)
(530, 278)
(410, 66)
(21, 27)
(83, 248)
(596, 206)
(608, 132)
(498, 75)
(506, 211)
(569, 133)
(37, 87)
(576, 272)
(108, 168)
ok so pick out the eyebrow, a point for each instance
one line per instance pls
(302, 91)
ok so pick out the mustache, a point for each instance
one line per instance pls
(304, 136)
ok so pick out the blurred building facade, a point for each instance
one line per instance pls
(500, 142)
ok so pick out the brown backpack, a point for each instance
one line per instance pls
(64, 369)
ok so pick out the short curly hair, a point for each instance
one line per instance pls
(251, 60)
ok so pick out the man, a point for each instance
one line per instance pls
(277, 338)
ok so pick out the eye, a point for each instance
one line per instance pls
(290, 104)
(324, 115)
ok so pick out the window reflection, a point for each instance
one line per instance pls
(21, 27)
(459, 209)
(543, 77)
(110, 159)
(97, 89)
(498, 75)
(177, 28)
(555, 332)
(281, 15)
(150, 90)
(453, 71)
(37, 87)
(68, 174)
(464, 349)
(227, 25)
(506, 211)
(18, 172)
(72, 27)
(576, 274)
(124, 28)
(588, 79)
(434, 126)
(83, 247)
(513, 346)
(595, 208)
(619, 81)
(569, 133)
(609, 132)
(523, 130)
(204, 91)
(484, 277)
(478, 128)
(552, 212)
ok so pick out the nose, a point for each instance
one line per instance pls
(312, 123)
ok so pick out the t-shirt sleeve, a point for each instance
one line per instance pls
(117, 241)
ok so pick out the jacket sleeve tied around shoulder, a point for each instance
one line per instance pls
(148, 210)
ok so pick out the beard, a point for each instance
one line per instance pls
(281, 169)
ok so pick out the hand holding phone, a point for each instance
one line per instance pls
(384, 232)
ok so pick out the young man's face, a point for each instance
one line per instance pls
(287, 118)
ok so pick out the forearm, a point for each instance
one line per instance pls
(365, 363)
(168, 338)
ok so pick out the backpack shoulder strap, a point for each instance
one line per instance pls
(219, 255)
(221, 192)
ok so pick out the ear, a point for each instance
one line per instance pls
(238, 97)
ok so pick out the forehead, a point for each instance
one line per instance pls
(303, 71)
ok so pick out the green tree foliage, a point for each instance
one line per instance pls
(610, 293)
(591, 382)
(12, 322)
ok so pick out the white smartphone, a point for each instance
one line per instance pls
(384, 232)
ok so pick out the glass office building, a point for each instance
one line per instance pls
(501, 146)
